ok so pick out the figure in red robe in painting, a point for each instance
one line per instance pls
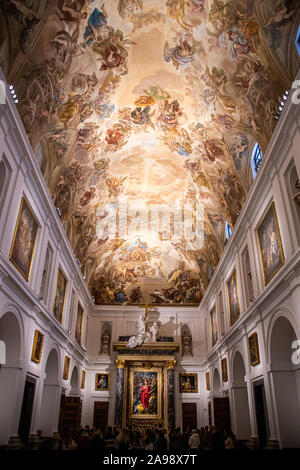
(145, 394)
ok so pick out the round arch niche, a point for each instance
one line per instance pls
(74, 382)
(11, 385)
(240, 399)
(286, 382)
(216, 382)
(48, 416)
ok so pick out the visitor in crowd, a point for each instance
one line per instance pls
(159, 439)
(229, 440)
(194, 441)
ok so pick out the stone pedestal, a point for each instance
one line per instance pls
(15, 443)
(253, 443)
(272, 444)
(34, 442)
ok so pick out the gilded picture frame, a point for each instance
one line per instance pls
(24, 240)
(79, 320)
(145, 393)
(66, 367)
(214, 326)
(207, 380)
(102, 382)
(37, 347)
(224, 369)
(270, 245)
(60, 295)
(253, 348)
(82, 384)
(188, 382)
(233, 298)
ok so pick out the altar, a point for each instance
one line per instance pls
(145, 384)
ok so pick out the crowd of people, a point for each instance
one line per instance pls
(124, 440)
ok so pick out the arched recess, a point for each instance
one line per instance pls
(216, 382)
(285, 381)
(10, 376)
(240, 401)
(49, 411)
(74, 382)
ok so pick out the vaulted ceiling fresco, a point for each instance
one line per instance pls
(139, 106)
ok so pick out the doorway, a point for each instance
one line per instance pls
(70, 414)
(261, 413)
(26, 413)
(100, 415)
(222, 413)
(189, 416)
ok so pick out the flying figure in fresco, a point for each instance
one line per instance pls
(142, 116)
(180, 55)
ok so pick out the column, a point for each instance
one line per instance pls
(119, 391)
(171, 393)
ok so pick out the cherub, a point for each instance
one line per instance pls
(142, 116)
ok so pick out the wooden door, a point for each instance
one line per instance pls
(100, 414)
(70, 414)
(222, 413)
(189, 416)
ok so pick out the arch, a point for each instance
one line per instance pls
(11, 334)
(284, 380)
(74, 382)
(48, 415)
(240, 400)
(281, 311)
(216, 381)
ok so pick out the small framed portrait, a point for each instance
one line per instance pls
(60, 293)
(270, 245)
(66, 367)
(214, 326)
(188, 383)
(24, 240)
(253, 349)
(102, 382)
(78, 328)
(37, 346)
(233, 298)
(224, 369)
(83, 373)
(207, 379)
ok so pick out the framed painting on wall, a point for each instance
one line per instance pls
(102, 382)
(79, 319)
(233, 298)
(37, 346)
(66, 368)
(224, 369)
(24, 240)
(214, 326)
(207, 379)
(83, 379)
(145, 393)
(60, 293)
(188, 382)
(270, 245)
(253, 349)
